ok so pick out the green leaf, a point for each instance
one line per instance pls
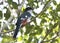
(54, 2)
(11, 26)
(51, 34)
(55, 25)
(15, 6)
(7, 14)
(29, 40)
(19, 39)
(58, 7)
(9, 1)
(54, 15)
(43, 20)
(28, 28)
(35, 40)
(30, 3)
(39, 30)
(0, 14)
(53, 41)
(6, 39)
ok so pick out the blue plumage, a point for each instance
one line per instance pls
(22, 20)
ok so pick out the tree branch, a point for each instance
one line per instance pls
(52, 38)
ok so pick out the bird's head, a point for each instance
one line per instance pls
(28, 9)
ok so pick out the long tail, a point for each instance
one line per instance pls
(16, 31)
(17, 27)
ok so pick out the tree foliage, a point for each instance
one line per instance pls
(43, 28)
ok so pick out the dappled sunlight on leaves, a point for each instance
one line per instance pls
(44, 28)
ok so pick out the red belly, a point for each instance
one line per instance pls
(24, 22)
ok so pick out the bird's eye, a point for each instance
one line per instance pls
(26, 16)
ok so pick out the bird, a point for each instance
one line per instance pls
(23, 19)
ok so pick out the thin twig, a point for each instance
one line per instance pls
(52, 38)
